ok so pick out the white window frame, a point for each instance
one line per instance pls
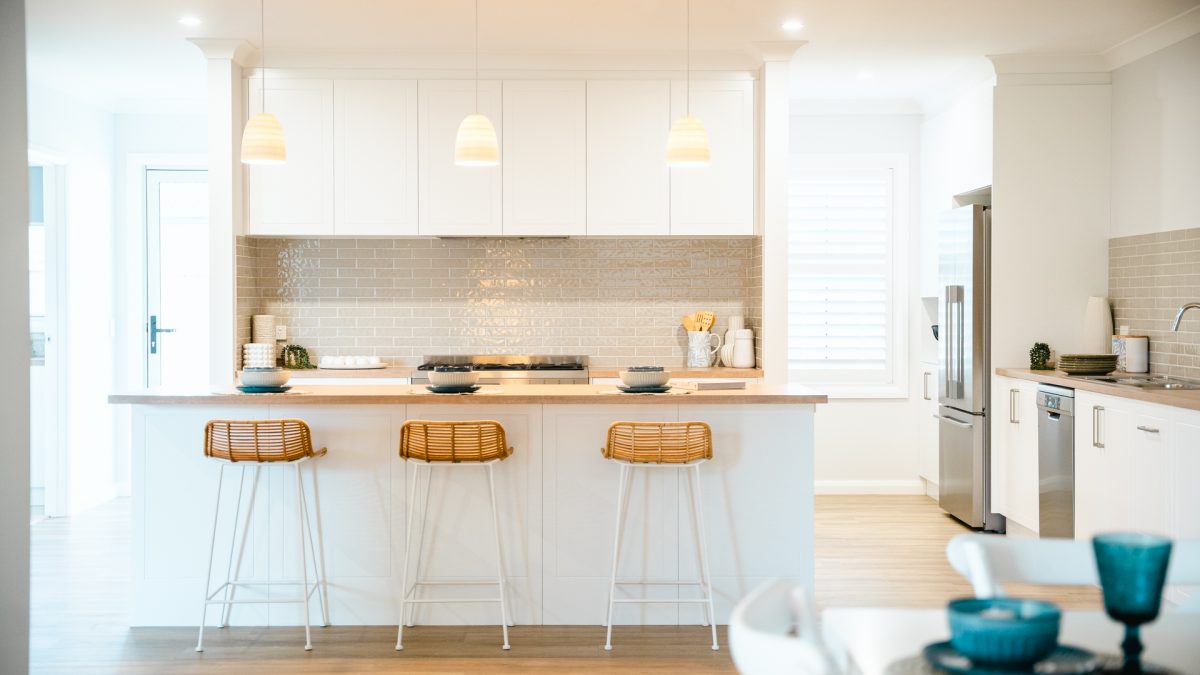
(896, 384)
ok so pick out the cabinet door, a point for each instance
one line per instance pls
(1146, 464)
(628, 185)
(928, 424)
(545, 161)
(375, 155)
(456, 200)
(1022, 439)
(1092, 490)
(717, 199)
(1185, 474)
(295, 198)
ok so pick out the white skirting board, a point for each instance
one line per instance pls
(915, 486)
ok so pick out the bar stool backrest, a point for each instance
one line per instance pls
(457, 441)
(283, 440)
(659, 442)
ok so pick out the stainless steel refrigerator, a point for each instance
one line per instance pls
(964, 275)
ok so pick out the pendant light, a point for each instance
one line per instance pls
(262, 139)
(476, 144)
(687, 144)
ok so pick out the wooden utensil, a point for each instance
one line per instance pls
(707, 319)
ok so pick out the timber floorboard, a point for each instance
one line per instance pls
(870, 551)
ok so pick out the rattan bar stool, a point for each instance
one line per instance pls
(678, 446)
(255, 444)
(425, 444)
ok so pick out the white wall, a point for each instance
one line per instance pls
(1156, 141)
(870, 445)
(81, 135)
(14, 343)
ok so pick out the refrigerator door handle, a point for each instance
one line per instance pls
(952, 421)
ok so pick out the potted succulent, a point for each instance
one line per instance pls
(295, 357)
(1039, 356)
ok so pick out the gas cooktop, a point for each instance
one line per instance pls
(493, 362)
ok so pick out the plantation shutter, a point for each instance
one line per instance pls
(840, 267)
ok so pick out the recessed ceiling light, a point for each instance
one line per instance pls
(189, 21)
(865, 74)
(792, 25)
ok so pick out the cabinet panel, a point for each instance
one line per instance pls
(717, 199)
(295, 198)
(375, 155)
(1091, 472)
(928, 459)
(1021, 431)
(545, 158)
(456, 200)
(628, 188)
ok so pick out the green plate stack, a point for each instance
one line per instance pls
(1087, 364)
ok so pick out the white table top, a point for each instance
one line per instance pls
(873, 639)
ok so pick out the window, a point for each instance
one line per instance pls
(847, 232)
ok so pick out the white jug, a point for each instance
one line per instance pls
(701, 348)
(743, 349)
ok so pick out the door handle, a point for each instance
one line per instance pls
(1014, 398)
(925, 386)
(951, 420)
(1097, 441)
(1149, 430)
(154, 331)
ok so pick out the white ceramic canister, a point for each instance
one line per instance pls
(736, 323)
(702, 348)
(743, 349)
(1133, 353)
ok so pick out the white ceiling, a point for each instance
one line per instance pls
(132, 54)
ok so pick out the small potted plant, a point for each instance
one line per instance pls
(1039, 356)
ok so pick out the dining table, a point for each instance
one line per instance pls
(879, 641)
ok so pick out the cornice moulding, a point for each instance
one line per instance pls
(236, 50)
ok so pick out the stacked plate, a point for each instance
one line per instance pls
(257, 355)
(1087, 364)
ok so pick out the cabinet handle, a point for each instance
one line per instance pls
(1096, 437)
(1014, 399)
(925, 385)
(1149, 430)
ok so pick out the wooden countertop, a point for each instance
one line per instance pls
(526, 394)
(688, 373)
(1187, 398)
(314, 373)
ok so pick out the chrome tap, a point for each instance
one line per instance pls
(1179, 316)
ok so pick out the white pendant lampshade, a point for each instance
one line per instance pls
(687, 144)
(476, 144)
(262, 141)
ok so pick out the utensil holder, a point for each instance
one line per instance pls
(702, 347)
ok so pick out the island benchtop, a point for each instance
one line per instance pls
(525, 394)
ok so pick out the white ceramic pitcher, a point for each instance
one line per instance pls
(702, 347)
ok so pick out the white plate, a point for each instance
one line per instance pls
(369, 366)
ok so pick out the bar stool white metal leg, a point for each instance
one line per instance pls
(257, 444)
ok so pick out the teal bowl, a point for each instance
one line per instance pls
(1003, 632)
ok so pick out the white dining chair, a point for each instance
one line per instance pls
(773, 631)
(989, 561)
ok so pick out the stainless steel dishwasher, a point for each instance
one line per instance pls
(1056, 461)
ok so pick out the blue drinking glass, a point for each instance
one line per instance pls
(1133, 569)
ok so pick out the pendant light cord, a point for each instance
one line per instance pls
(262, 41)
(688, 103)
(476, 57)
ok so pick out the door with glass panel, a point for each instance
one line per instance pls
(177, 275)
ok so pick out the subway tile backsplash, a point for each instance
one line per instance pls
(618, 301)
(1149, 277)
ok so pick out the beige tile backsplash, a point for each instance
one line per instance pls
(618, 301)
(1149, 277)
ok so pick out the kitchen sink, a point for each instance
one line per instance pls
(1147, 382)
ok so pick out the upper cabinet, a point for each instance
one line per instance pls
(295, 198)
(457, 200)
(545, 157)
(717, 199)
(628, 184)
(375, 157)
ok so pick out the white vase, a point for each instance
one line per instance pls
(1097, 326)
(743, 349)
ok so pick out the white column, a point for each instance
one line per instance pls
(773, 200)
(14, 342)
(226, 116)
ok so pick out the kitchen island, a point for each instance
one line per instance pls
(557, 496)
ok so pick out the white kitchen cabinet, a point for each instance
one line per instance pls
(928, 461)
(456, 200)
(717, 199)
(375, 157)
(628, 184)
(545, 158)
(295, 198)
(1015, 450)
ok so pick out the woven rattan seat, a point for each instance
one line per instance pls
(459, 441)
(659, 442)
(285, 440)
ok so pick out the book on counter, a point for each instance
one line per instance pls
(703, 385)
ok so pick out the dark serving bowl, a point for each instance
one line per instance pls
(1004, 632)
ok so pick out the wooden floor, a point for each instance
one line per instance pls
(871, 551)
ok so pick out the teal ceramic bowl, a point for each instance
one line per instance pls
(1003, 632)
